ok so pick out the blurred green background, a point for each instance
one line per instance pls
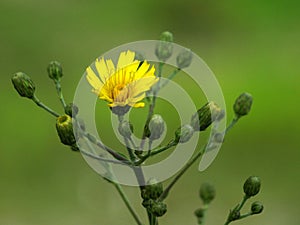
(250, 45)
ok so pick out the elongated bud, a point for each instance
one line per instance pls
(64, 128)
(164, 48)
(252, 186)
(152, 190)
(257, 207)
(184, 58)
(205, 116)
(23, 84)
(184, 133)
(242, 105)
(55, 70)
(71, 110)
(125, 129)
(207, 193)
(156, 127)
(158, 208)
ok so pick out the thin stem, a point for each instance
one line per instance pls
(153, 220)
(59, 92)
(43, 106)
(170, 77)
(155, 152)
(204, 208)
(100, 158)
(94, 140)
(179, 175)
(231, 125)
(245, 198)
(127, 203)
(129, 150)
(245, 215)
(117, 186)
(190, 163)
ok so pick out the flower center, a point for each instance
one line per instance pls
(117, 89)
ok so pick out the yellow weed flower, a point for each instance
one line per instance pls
(123, 86)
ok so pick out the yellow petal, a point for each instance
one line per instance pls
(93, 80)
(139, 105)
(105, 69)
(125, 59)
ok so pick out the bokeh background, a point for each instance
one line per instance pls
(250, 45)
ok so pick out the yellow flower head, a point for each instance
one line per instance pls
(124, 85)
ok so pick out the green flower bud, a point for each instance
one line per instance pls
(252, 186)
(257, 207)
(125, 129)
(207, 193)
(164, 48)
(158, 209)
(152, 190)
(166, 36)
(199, 213)
(64, 128)
(71, 110)
(147, 203)
(23, 84)
(184, 58)
(242, 105)
(55, 70)
(205, 116)
(156, 127)
(184, 133)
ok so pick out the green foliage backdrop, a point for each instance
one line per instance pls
(250, 45)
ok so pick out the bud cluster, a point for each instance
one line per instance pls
(150, 194)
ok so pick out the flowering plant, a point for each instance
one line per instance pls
(131, 83)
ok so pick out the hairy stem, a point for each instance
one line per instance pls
(43, 106)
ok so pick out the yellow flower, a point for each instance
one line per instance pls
(125, 85)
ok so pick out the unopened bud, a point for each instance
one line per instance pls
(242, 105)
(164, 48)
(205, 116)
(71, 110)
(207, 193)
(147, 203)
(152, 190)
(199, 213)
(125, 129)
(64, 128)
(184, 58)
(257, 207)
(55, 70)
(252, 186)
(158, 208)
(184, 133)
(156, 127)
(23, 84)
